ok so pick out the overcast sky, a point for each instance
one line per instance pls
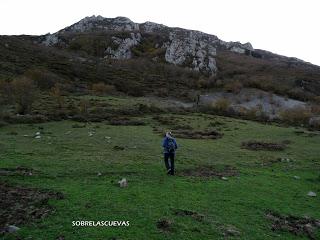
(287, 27)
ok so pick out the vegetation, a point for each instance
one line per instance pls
(220, 190)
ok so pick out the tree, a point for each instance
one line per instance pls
(24, 94)
(56, 94)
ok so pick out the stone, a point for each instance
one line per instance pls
(312, 194)
(11, 229)
(296, 177)
(37, 137)
(187, 48)
(123, 183)
(123, 51)
(224, 178)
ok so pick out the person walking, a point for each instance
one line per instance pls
(170, 146)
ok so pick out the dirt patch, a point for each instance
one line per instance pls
(118, 148)
(126, 122)
(165, 225)
(19, 205)
(22, 171)
(269, 146)
(193, 134)
(210, 171)
(295, 225)
(181, 212)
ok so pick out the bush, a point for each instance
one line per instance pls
(102, 88)
(43, 78)
(24, 94)
(5, 92)
(234, 87)
(222, 105)
(56, 94)
(296, 115)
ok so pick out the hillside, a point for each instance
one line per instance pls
(155, 59)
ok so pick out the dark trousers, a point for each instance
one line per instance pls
(169, 162)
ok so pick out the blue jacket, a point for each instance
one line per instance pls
(165, 144)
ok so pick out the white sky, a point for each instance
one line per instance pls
(287, 27)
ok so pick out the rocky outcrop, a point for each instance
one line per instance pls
(187, 48)
(98, 23)
(192, 49)
(123, 49)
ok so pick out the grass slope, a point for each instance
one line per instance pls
(67, 159)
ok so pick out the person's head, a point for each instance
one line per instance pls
(169, 134)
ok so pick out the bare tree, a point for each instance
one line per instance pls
(24, 94)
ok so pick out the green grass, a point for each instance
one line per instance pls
(68, 159)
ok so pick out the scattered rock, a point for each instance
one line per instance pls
(123, 182)
(37, 137)
(90, 134)
(296, 177)
(99, 174)
(296, 225)
(11, 229)
(224, 178)
(312, 194)
(230, 230)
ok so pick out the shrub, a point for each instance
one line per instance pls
(43, 78)
(222, 105)
(102, 88)
(296, 115)
(234, 87)
(24, 94)
(56, 94)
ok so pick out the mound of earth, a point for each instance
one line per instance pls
(210, 171)
(296, 225)
(165, 225)
(259, 145)
(195, 215)
(17, 171)
(193, 134)
(20, 205)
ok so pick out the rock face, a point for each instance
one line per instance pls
(123, 50)
(187, 48)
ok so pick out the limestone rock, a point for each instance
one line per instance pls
(123, 183)
(312, 194)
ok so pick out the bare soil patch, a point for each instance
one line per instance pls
(259, 145)
(195, 215)
(296, 225)
(210, 171)
(24, 171)
(165, 225)
(20, 205)
(193, 134)
(123, 121)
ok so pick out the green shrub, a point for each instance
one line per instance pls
(24, 94)
(222, 105)
(296, 115)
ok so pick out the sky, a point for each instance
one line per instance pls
(286, 27)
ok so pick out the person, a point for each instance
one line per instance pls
(170, 146)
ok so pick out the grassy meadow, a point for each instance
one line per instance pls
(84, 161)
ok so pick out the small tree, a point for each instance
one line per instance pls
(5, 92)
(24, 93)
(56, 94)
